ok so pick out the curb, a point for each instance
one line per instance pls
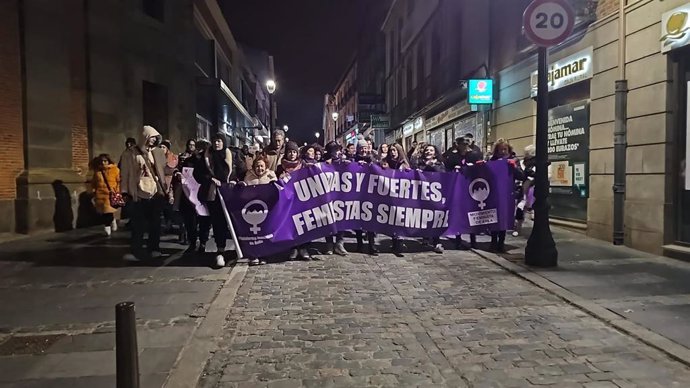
(675, 351)
(195, 353)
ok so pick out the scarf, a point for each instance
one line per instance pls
(290, 166)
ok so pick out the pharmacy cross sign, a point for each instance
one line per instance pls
(548, 22)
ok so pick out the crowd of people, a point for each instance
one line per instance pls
(147, 184)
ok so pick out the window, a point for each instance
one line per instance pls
(154, 9)
(155, 106)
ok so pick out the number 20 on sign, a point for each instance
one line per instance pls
(548, 22)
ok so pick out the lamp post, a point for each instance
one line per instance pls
(271, 87)
(335, 116)
(318, 135)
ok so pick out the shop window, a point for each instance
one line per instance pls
(154, 9)
(155, 106)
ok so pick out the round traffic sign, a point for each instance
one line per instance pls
(548, 22)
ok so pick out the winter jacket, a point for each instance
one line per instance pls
(453, 158)
(204, 174)
(436, 166)
(273, 156)
(133, 165)
(268, 177)
(100, 189)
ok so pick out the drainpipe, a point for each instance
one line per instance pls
(620, 135)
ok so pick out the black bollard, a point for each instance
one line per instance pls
(126, 350)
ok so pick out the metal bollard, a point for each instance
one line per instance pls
(126, 349)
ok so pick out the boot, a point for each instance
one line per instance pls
(340, 249)
(396, 248)
(293, 254)
(329, 248)
(304, 254)
(458, 242)
(473, 241)
(191, 248)
(372, 249)
(360, 243)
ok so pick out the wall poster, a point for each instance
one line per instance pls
(569, 156)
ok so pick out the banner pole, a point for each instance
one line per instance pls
(238, 249)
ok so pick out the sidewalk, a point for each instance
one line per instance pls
(652, 291)
(58, 293)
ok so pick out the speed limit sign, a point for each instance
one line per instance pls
(548, 22)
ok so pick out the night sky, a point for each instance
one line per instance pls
(312, 42)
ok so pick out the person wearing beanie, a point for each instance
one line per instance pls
(290, 161)
(212, 171)
(142, 182)
(333, 152)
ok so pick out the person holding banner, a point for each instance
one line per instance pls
(308, 155)
(364, 156)
(211, 171)
(395, 159)
(260, 175)
(429, 161)
(194, 152)
(503, 150)
(333, 154)
(288, 165)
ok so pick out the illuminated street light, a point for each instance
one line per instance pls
(271, 86)
(317, 134)
(285, 128)
(335, 115)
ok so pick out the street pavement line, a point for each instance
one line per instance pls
(673, 350)
(195, 353)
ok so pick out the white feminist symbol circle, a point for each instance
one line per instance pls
(256, 216)
(481, 193)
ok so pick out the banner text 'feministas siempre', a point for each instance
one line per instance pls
(325, 199)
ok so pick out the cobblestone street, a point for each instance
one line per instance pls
(451, 320)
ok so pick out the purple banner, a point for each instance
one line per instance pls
(324, 199)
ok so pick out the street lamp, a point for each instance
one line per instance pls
(285, 128)
(317, 134)
(271, 87)
(335, 115)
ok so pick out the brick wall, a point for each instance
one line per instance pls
(80, 139)
(11, 124)
(606, 7)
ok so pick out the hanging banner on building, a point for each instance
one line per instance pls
(568, 150)
(324, 199)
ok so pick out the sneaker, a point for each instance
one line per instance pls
(329, 249)
(113, 226)
(202, 248)
(373, 251)
(293, 254)
(515, 234)
(108, 231)
(131, 258)
(254, 261)
(340, 249)
(220, 261)
(262, 262)
(438, 248)
(156, 255)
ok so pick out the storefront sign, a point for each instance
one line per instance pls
(380, 121)
(568, 150)
(480, 91)
(408, 128)
(567, 71)
(447, 115)
(418, 124)
(675, 28)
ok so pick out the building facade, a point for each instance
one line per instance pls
(80, 76)
(431, 46)
(583, 72)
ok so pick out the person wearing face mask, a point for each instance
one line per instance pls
(212, 171)
(396, 160)
(143, 185)
(334, 243)
(273, 154)
(430, 161)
